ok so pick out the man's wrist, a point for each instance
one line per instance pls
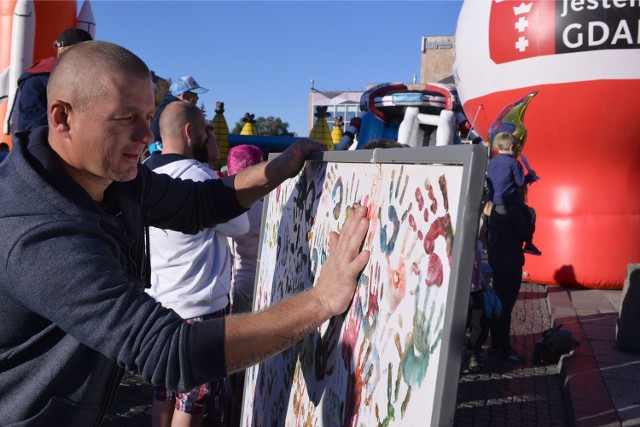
(275, 172)
(320, 306)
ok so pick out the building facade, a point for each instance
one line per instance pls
(436, 59)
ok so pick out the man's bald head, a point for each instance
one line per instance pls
(175, 117)
(80, 73)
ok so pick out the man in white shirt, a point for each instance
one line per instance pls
(190, 274)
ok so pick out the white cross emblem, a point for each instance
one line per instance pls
(522, 44)
(522, 24)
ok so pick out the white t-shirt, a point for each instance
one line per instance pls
(191, 274)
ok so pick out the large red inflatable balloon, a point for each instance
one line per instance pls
(583, 58)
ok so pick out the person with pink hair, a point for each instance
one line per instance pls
(242, 156)
(244, 249)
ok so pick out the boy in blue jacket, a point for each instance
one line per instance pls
(507, 182)
(509, 228)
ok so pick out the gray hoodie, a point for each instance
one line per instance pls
(74, 314)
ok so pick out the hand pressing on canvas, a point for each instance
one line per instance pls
(337, 282)
(252, 338)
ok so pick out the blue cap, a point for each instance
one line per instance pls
(186, 84)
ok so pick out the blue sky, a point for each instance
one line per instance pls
(259, 56)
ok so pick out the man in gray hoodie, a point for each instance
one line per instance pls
(75, 209)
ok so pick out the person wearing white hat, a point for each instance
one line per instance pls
(184, 88)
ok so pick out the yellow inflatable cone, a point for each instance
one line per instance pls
(248, 120)
(336, 133)
(320, 131)
(221, 129)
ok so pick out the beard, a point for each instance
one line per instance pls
(200, 152)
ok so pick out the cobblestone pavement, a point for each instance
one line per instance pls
(509, 394)
(502, 394)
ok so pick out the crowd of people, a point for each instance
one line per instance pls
(77, 204)
(114, 264)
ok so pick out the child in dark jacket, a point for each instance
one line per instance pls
(507, 183)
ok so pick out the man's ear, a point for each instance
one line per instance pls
(59, 122)
(188, 132)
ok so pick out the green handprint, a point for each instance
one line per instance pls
(420, 342)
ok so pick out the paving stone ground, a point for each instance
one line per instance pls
(502, 394)
(509, 394)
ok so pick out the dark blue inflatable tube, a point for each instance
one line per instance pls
(265, 143)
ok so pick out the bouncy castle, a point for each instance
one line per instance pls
(583, 59)
(427, 116)
(27, 31)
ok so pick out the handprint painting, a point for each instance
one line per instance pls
(376, 365)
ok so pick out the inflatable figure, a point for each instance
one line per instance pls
(248, 120)
(583, 58)
(27, 31)
(320, 131)
(336, 132)
(221, 130)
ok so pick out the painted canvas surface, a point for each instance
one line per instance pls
(376, 365)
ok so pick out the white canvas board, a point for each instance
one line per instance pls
(378, 363)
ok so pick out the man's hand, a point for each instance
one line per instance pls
(257, 181)
(339, 275)
(253, 338)
(289, 163)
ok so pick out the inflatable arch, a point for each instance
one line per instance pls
(583, 58)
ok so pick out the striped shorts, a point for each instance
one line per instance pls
(203, 398)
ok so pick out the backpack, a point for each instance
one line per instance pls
(554, 343)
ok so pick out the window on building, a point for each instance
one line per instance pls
(346, 111)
